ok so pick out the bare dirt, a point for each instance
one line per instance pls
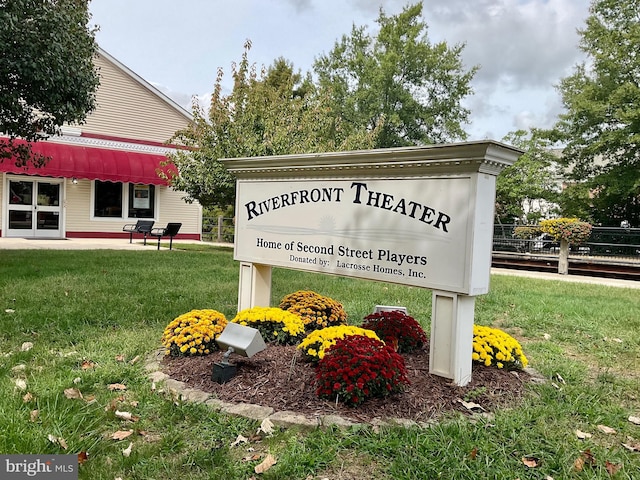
(278, 377)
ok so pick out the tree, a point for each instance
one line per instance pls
(601, 126)
(273, 112)
(47, 75)
(398, 80)
(527, 190)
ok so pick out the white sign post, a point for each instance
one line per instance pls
(420, 216)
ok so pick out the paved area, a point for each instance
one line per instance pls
(84, 244)
(123, 244)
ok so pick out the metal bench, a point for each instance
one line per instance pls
(141, 226)
(171, 230)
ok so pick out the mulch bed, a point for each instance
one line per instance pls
(278, 377)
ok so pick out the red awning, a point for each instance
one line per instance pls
(92, 163)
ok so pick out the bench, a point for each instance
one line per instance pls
(141, 226)
(171, 230)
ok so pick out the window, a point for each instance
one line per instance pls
(111, 199)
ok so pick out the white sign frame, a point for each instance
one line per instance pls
(420, 216)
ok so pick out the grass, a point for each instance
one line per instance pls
(90, 313)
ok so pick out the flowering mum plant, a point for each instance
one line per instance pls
(316, 311)
(398, 329)
(357, 368)
(274, 324)
(193, 333)
(570, 229)
(492, 346)
(317, 342)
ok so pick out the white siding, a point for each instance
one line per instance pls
(169, 208)
(127, 109)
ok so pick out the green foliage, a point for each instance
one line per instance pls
(570, 229)
(271, 112)
(602, 101)
(527, 190)
(398, 81)
(47, 76)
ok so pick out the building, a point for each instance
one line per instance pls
(103, 173)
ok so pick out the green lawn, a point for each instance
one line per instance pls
(88, 314)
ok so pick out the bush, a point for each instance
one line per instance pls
(570, 229)
(317, 342)
(492, 346)
(316, 311)
(527, 232)
(396, 329)
(193, 333)
(357, 368)
(274, 324)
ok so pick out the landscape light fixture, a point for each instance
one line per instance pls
(235, 338)
(389, 308)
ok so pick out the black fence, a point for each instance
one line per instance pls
(612, 242)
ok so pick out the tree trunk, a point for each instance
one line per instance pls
(563, 258)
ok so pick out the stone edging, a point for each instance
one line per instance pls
(280, 418)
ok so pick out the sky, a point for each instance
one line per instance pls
(522, 47)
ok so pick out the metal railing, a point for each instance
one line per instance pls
(218, 229)
(611, 242)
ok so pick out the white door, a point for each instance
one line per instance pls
(34, 208)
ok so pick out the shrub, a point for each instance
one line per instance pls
(357, 368)
(193, 333)
(316, 311)
(274, 324)
(317, 342)
(397, 329)
(527, 231)
(492, 346)
(570, 229)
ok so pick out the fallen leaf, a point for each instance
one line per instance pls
(474, 453)
(560, 379)
(72, 393)
(123, 415)
(87, 365)
(59, 440)
(578, 464)
(116, 386)
(119, 358)
(635, 420)
(612, 468)
(121, 434)
(266, 427)
(607, 430)
(21, 384)
(266, 464)
(77, 380)
(127, 451)
(82, 457)
(27, 397)
(632, 447)
(239, 439)
(583, 435)
(471, 405)
(26, 346)
(33, 416)
(531, 462)
(546, 336)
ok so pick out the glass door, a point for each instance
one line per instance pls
(34, 208)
